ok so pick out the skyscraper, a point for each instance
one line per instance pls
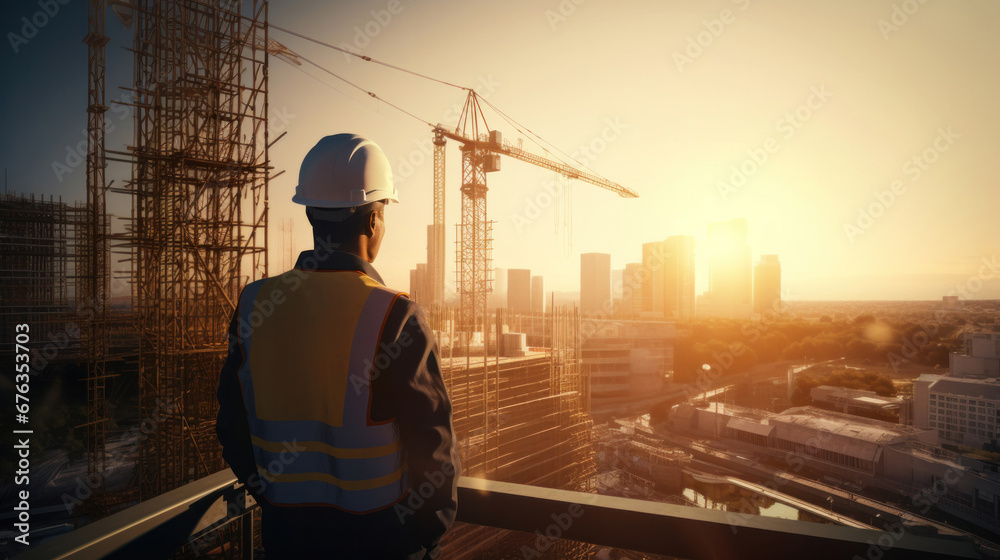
(632, 290)
(667, 277)
(595, 283)
(519, 290)
(730, 278)
(767, 284)
(678, 283)
(420, 289)
(498, 297)
(654, 256)
(537, 295)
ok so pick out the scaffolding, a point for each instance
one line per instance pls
(198, 231)
(521, 420)
(36, 241)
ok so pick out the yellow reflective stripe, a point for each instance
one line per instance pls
(367, 484)
(339, 452)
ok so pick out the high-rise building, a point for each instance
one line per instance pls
(420, 289)
(498, 297)
(595, 283)
(678, 282)
(519, 290)
(537, 295)
(730, 281)
(767, 284)
(667, 277)
(654, 255)
(632, 290)
(434, 290)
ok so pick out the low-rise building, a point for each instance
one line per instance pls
(964, 410)
(980, 357)
(854, 401)
(627, 359)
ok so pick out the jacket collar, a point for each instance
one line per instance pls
(336, 260)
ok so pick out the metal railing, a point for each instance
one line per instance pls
(158, 527)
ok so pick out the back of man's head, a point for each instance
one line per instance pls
(342, 225)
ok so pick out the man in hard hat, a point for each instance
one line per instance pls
(332, 409)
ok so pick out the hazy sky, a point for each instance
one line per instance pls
(793, 114)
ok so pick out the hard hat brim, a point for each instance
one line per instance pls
(369, 197)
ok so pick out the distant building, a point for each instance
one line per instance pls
(678, 301)
(595, 283)
(980, 358)
(964, 410)
(654, 256)
(949, 302)
(632, 290)
(852, 442)
(852, 448)
(730, 279)
(855, 401)
(767, 285)
(537, 295)
(963, 406)
(420, 289)
(498, 298)
(626, 360)
(519, 290)
(668, 278)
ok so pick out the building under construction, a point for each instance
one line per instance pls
(37, 238)
(521, 420)
(198, 231)
(197, 234)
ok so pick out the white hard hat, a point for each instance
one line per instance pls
(344, 171)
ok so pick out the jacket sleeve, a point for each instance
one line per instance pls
(231, 425)
(411, 389)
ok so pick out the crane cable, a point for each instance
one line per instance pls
(363, 90)
(527, 131)
(517, 126)
(365, 58)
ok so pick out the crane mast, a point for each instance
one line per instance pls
(481, 153)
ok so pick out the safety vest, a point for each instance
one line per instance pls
(309, 341)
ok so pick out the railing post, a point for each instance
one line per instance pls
(246, 530)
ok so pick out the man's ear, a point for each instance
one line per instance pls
(370, 230)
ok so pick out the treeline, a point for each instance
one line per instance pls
(840, 377)
(731, 345)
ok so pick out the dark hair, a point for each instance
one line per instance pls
(352, 225)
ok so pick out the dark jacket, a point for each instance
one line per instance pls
(411, 390)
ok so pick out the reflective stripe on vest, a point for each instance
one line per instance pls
(309, 341)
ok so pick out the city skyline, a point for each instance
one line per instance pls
(862, 162)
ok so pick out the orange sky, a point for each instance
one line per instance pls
(836, 104)
(671, 99)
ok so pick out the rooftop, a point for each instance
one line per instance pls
(847, 425)
(965, 387)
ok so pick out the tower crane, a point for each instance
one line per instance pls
(481, 149)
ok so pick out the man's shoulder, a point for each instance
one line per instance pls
(407, 313)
